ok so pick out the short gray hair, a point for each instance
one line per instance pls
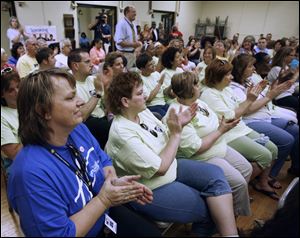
(63, 42)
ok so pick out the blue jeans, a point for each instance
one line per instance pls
(286, 139)
(183, 200)
(161, 109)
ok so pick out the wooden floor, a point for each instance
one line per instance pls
(262, 207)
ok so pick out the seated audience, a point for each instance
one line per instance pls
(171, 60)
(4, 60)
(97, 53)
(17, 51)
(45, 58)
(140, 142)
(220, 98)
(220, 48)
(201, 140)
(280, 62)
(261, 46)
(62, 169)
(62, 58)
(90, 90)
(262, 66)
(194, 52)
(209, 55)
(247, 46)
(28, 62)
(259, 116)
(152, 81)
(10, 142)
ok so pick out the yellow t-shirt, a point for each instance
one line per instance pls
(150, 83)
(224, 104)
(202, 124)
(25, 65)
(135, 150)
(83, 91)
(9, 126)
(168, 78)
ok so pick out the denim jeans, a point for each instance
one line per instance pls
(183, 200)
(286, 139)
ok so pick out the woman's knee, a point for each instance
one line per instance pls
(266, 158)
(273, 149)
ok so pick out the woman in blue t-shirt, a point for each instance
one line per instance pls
(61, 182)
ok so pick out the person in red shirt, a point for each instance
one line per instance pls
(175, 33)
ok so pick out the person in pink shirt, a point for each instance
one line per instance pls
(97, 53)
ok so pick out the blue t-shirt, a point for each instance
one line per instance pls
(45, 192)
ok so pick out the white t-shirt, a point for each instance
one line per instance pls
(263, 114)
(203, 66)
(25, 65)
(167, 82)
(272, 76)
(9, 126)
(12, 34)
(83, 91)
(61, 61)
(201, 125)
(224, 104)
(135, 150)
(150, 83)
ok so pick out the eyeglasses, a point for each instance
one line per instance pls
(6, 70)
(203, 111)
(154, 133)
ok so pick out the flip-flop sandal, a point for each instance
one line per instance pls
(273, 183)
(271, 194)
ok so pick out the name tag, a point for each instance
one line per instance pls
(110, 223)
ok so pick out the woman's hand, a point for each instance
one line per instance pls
(187, 115)
(278, 88)
(226, 125)
(176, 121)
(117, 191)
(254, 91)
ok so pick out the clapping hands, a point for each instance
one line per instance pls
(117, 191)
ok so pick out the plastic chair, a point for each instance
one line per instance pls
(283, 197)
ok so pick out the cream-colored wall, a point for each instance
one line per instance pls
(255, 17)
(45, 12)
(245, 17)
(4, 40)
(188, 16)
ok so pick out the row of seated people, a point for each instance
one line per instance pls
(195, 131)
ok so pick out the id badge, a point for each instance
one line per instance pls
(110, 223)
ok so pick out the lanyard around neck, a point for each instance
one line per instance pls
(79, 161)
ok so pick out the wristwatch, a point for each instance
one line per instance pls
(95, 94)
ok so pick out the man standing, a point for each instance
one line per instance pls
(155, 32)
(102, 31)
(126, 36)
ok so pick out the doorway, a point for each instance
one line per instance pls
(166, 18)
(86, 15)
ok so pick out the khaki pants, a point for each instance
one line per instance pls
(237, 171)
(130, 59)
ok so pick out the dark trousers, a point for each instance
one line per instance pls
(130, 224)
(99, 127)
